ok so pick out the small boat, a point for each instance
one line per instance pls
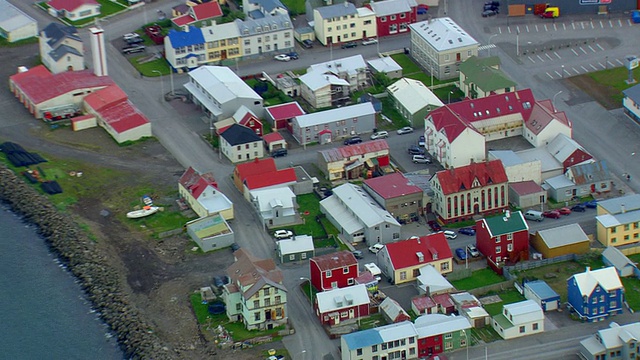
(145, 211)
(146, 199)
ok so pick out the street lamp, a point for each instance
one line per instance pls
(310, 295)
(626, 173)
(563, 71)
(161, 82)
(553, 101)
(489, 48)
(449, 97)
(466, 341)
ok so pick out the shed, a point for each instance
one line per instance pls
(526, 194)
(562, 240)
(612, 256)
(540, 292)
(424, 305)
(387, 66)
(15, 25)
(211, 232)
(393, 312)
(298, 248)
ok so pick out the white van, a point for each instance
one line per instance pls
(533, 215)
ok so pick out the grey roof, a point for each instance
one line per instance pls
(351, 65)
(615, 205)
(547, 162)
(269, 5)
(562, 147)
(443, 34)
(563, 235)
(62, 50)
(337, 10)
(559, 182)
(435, 324)
(617, 258)
(316, 80)
(413, 95)
(305, 30)
(508, 157)
(222, 83)
(542, 290)
(298, 244)
(612, 337)
(391, 7)
(609, 220)
(237, 134)
(359, 203)
(267, 24)
(633, 93)
(220, 32)
(56, 32)
(337, 114)
(385, 64)
(431, 278)
(12, 18)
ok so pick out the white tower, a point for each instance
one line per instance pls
(98, 51)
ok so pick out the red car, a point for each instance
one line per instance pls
(565, 211)
(553, 214)
(434, 226)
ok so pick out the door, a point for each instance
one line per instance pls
(267, 314)
(223, 54)
(259, 49)
(364, 34)
(275, 47)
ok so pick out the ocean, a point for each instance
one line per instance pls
(43, 311)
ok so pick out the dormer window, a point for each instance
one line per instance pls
(258, 29)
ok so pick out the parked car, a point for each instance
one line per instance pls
(434, 225)
(460, 253)
(421, 11)
(375, 248)
(490, 7)
(350, 44)
(130, 49)
(129, 36)
(591, 204)
(282, 57)
(564, 211)
(379, 135)
(405, 130)
(421, 159)
(415, 150)
(473, 250)
(353, 140)
(279, 153)
(494, 3)
(579, 208)
(467, 231)
(135, 40)
(450, 234)
(369, 41)
(552, 214)
(534, 215)
(282, 234)
(293, 55)
(421, 141)
(217, 281)
(235, 247)
(357, 254)
(488, 13)
(307, 44)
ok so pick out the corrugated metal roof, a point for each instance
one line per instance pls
(616, 205)
(333, 115)
(542, 290)
(222, 83)
(298, 244)
(326, 299)
(392, 186)
(315, 80)
(12, 18)
(220, 32)
(617, 258)
(413, 95)
(351, 65)
(526, 187)
(500, 225)
(362, 339)
(591, 172)
(267, 24)
(285, 111)
(180, 39)
(608, 220)
(508, 157)
(443, 34)
(357, 150)
(547, 161)
(384, 64)
(562, 147)
(359, 202)
(348, 221)
(563, 235)
(391, 7)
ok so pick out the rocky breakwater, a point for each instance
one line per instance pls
(100, 281)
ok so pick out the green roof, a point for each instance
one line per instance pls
(485, 73)
(499, 226)
(502, 321)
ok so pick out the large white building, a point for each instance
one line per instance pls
(271, 33)
(15, 25)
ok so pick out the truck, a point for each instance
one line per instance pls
(551, 12)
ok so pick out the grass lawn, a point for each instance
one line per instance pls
(477, 279)
(632, 292)
(508, 297)
(390, 111)
(296, 7)
(485, 334)
(309, 207)
(151, 68)
(372, 321)
(304, 287)
(614, 80)
(108, 7)
(411, 70)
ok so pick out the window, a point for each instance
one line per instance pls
(292, 257)
(303, 255)
(267, 302)
(256, 303)
(510, 236)
(521, 329)
(509, 247)
(345, 270)
(334, 285)
(257, 316)
(374, 348)
(278, 299)
(498, 249)
(613, 305)
(352, 25)
(359, 352)
(383, 19)
(367, 22)
(403, 275)
(393, 17)
(350, 281)
(444, 266)
(448, 336)
(393, 28)
(328, 273)
(535, 326)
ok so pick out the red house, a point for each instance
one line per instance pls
(503, 239)
(280, 116)
(333, 271)
(567, 151)
(256, 167)
(438, 333)
(338, 305)
(394, 16)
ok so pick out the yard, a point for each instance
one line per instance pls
(478, 279)
(411, 70)
(150, 68)
(296, 7)
(508, 297)
(606, 86)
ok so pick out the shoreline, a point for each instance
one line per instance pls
(99, 280)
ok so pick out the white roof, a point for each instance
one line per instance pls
(401, 330)
(413, 94)
(435, 324)
(336, 299)
(220, 32)
(363, 12)
(392, 308)
(385, 64)
(508, 157)
(222, 83)
(612, 338)
(351, 65)
(562, 147)
(372, 268)
(213, 200)
(443, 34)
(316, 80)
(431, 278)
(606, 277)
(391, 7)
(475, 312)
(526, 311)
(337, 114)
(297, 244)
(267, 199)
(348, 221)
(363, 205)
(563, 235)
(547, 162)
(615, 205)
(559, 182)
(11, 18)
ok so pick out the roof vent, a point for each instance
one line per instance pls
(338, 301)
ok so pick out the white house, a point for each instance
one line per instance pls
(298, 248)
(326, 126)
(519, 319)
(61, 48)
(74, 10)
(337, 23)
(275, 206)
(15, 25)
(200, 192)
(413, 100)
(239, 143)
(330, 305)
(631, 102)
(386, 65)
(352, 69)
(269, 34)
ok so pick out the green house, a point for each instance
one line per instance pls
(413, 100)
(481, 77)
(298, 248)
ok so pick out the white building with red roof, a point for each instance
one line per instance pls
(74, 10)
(274, 141)
(399, 196)
(280, 116)
(455, 134)
(349, 162)
(198, 13)
(467, 191)
(332, 271)
(200, 192)
(401, 261)
(342, 304)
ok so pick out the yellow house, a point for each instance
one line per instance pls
(618, 221)
(342, 23)
(201, 194)
(223, 42)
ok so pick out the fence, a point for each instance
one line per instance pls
(501, 286)
(526, 265)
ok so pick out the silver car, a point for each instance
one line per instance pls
(405, 130)
(379, 135)
(421, 159)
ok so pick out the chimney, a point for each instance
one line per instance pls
(98, 51)
(346, 4)
(622, 209)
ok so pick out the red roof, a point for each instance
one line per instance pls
(543, 113)
(345, 152)
(285, 111)
(392, 186)
(247, 118)
(207, 10)
(277, 177)
(39, 85)
(255, 167)
(423, 302)
(70, 5)
(403, 254)
(335, 260)
(105, 97)
(526, 187)
(183, 20)
(462, 178)
(114, 108)
(444, 300)
(196, 183)
(272, 137)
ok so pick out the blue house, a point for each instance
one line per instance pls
(595, 294)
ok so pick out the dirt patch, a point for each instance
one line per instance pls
(597, 91)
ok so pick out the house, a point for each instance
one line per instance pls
(481, 77)
(540, 292)
(256, 294)
(330, 125)
(330, 83)
(397, 195)
(519, 319)
(239, 143)
(280, 116)
(74, 10)
(352, 69)
(338, 23)
(243, 116)
(618, 221)
(413, 100)
(401, 261)
(526, 194)
(220, 92)
(503, 239)
(342, 304)
(445, 303)
(358, 218)
(201, 193)
(298, 248)
(561, 240)
(257, 9)
(440, 45)
(438, 333)
(616, 341)
(387, 66)
(262, 174)
(331, 271)
(275, 206)
(431, 281)
(464, 192)
(579, 181)
(544, 124)
(198, 15)
(612, 256)
(394, 16)
(383, 342)
(424, 305)
(352, 161)
(469, 306)
(266, 35)
(518, 169)
(393, 312)
(211, 232)
(594, 295)
(631, 102)
(274, 141)
(15, 25)
(567, 151)
(257, 167)
(61, 48)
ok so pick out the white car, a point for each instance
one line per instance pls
(473, 250)
(379, 135)
(282, 234)
(375, 248)
(450, 234)
(421, 159)
(282, 57)
(369, 41)
(130, 36)
(405, 130)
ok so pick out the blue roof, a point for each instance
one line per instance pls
(633, 93)
(186, 38)
(542, 289)
(361, 339)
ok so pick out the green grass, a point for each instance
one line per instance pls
(485, 334)
(411, 70)
(508, 297)
(108, 7)
(151, 68)
(309, 203)
(614, 79)
(390, 111)
(448, 93)
(296, 7)
(478, 279)
(5, 43)
(632, 292)
(372, 321)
